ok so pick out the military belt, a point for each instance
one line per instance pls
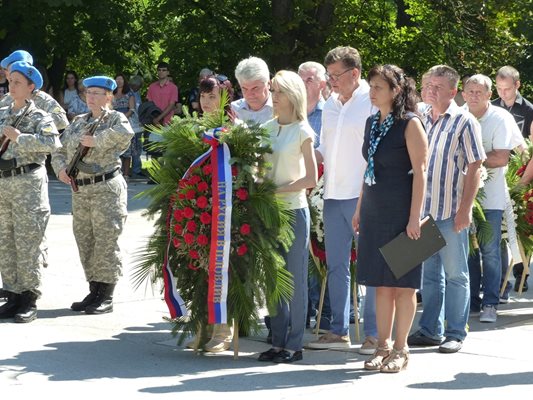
(23, 169)
(97, 178)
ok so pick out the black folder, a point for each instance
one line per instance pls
(402, 254)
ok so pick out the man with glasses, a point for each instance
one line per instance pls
(164, 94)
(256, 105)
(343, 124)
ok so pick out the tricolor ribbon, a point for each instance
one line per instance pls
(221, 191)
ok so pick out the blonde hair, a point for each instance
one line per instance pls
(293, 86)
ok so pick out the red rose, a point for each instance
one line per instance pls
(188, 212)
(191, 194)
(194, 254)
(183, 183)
(245, 229)
(178, 215)
(202, 186)
(189, 238)
(205, 218)
(191, 266)
(181, 196)
(242, 194)
(234, 170)
(191, 226)
(202, 240)
(194, 179)
(206, 169)
(202, 202)
(176, 242)
(242, 249)
(353, 256)
(178, 229)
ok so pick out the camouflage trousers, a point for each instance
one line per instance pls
(99, 213)
(24, 214)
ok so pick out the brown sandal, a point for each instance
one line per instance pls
(375, 362)
(396, 361)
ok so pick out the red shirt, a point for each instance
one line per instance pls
(162, 96)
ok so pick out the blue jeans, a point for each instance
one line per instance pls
(490, 254)
(338, 236)
(288, 325)
(370, 325)
(446, 286)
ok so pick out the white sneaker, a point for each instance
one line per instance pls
(488, 314)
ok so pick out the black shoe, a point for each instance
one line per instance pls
(27, 310)
(419, 339)
(89, 299)
(104, 300)
(9, 309)
(268, 355)
(286, 357)
(451, 345)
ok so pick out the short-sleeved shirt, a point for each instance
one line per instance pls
(497, 130)
(246, 114)
(454, 142)
(315, 120)
(521, 110)
(162, 96)
(287, 158)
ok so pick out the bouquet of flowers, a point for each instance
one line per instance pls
(521, 198)
(183, 204)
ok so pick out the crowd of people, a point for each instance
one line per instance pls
(391, 156)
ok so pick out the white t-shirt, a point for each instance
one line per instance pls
(287, 160)
(341, 141)
(499, 132)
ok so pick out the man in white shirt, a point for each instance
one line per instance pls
(254, 79)
(343, 124)
(497, 129)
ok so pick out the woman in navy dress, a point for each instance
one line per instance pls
(395, 147)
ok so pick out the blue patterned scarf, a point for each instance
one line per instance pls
(377, 132)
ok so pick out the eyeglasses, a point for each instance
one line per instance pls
(221, 78)
(335, 77)
(91, 93)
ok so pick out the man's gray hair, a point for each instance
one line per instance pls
(508, 72)
(348, 55)
(315, 67)
(447, 72)
(205, 72)
(252, 69)
(480, 79)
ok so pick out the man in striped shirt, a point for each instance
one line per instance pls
(455, 155)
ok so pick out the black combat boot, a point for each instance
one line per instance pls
(89, 299)
(9, 309)
(27, 310)
(104, 300)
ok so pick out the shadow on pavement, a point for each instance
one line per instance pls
(464, 381)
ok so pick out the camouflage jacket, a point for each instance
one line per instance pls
(38, 137)
(45, 102)
(112, 138)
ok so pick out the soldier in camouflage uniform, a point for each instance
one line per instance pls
(42, 101)
(99, 205)
(24, 205)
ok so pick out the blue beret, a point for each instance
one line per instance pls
(29, 71)
(104, 82)
(19, 55)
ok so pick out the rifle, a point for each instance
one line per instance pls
(72, 168)
(4, 140)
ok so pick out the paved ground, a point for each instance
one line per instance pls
(131, 354)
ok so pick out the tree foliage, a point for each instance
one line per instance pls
(93, 36)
